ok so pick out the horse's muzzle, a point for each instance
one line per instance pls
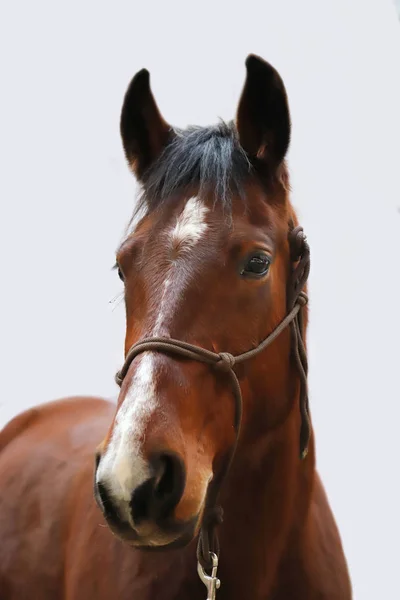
(146, 518)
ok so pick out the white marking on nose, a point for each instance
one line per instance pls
(123, 467)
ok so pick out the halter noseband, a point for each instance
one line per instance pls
(208, 547)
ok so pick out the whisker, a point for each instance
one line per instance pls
(114, 302)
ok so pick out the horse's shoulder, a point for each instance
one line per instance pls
(73, 408)
(18, 425)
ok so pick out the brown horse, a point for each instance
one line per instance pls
(209, 263)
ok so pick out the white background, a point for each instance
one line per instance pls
(66, 196)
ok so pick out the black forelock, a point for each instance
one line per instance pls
(208, 158)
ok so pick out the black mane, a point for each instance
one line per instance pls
(209, 158)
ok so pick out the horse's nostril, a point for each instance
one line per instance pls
(107, 505)
(169, 484)
(157, 497)
(141, 501)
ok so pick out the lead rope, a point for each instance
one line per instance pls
(208, 545)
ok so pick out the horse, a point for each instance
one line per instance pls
(99, 500)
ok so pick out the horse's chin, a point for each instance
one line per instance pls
(178, 535)
(177, 543)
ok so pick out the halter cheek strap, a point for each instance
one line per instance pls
(208, 546)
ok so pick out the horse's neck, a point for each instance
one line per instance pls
(265, 501)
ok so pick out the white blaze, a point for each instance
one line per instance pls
(123, 468)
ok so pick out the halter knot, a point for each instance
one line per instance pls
(213, 516)
(297, 241)
(302, 299)
(226, 362)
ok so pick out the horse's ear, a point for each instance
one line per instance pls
(143, 130)
(263, 119)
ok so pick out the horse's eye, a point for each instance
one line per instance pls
(119, 271)
(256, 265)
